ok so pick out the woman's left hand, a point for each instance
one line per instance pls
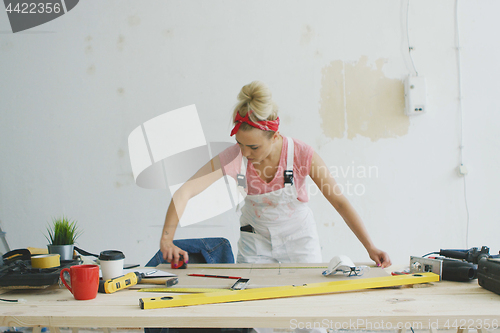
(380, 257)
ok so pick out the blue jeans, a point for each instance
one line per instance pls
(201, 250)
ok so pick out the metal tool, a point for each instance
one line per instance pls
(454, 264)
(171, 282)
(423, 265)
(240, 284)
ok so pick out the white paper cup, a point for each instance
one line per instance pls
(111, 264)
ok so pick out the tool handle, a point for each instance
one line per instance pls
(457, 254)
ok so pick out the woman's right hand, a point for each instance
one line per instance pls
(172, 253)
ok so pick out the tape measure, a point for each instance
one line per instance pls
(121, 282)
(182, 290)
(46, 261)
(285, 291)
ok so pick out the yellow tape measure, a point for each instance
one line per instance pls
(285, 291)
(46, 261)
(182, 290)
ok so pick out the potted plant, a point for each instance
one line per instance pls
(61, 236)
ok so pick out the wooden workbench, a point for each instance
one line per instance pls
(439, 305)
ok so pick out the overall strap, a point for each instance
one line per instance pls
(288, 173)
(241, 182)
(241, 177)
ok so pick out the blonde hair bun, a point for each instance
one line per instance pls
(256, 96)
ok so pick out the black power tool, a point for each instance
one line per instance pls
(473, 263)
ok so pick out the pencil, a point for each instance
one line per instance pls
(217, 276)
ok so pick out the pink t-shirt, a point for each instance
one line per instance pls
(230, 160)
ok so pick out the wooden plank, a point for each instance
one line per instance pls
(418, 307)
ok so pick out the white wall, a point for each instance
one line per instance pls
(73, 89)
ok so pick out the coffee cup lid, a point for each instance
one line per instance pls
(111, 255)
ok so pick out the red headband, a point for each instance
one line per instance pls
(265, 125)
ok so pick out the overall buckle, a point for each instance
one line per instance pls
(288, 175)
(242, 180)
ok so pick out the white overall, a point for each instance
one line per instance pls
(284, 227)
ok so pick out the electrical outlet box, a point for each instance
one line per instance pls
(415, 95)
(462, 170)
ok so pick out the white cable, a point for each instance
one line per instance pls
(459, 70)
(410, 48)
(460, 110)
(64, 6)
(467, 209)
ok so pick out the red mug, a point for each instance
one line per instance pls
(84, 281)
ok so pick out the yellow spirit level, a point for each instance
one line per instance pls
(285, 291)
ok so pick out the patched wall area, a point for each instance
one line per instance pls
(357, 99)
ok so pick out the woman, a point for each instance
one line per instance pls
(276, 223)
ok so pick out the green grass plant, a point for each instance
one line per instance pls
(62, 231)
